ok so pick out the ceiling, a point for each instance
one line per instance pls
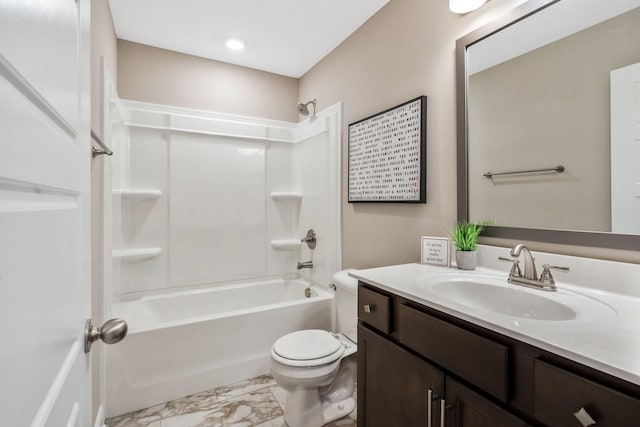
(286, 37)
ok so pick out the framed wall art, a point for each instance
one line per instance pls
(387, 155)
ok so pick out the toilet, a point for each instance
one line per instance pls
(318, 368)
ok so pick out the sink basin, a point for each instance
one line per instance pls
(493, 294)
(502, 300)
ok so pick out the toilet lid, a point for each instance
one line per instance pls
(307, 345)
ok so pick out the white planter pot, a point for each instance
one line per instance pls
(467, 260)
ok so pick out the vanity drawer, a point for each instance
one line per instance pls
(560, 394)
(477, 359)
(373, 309)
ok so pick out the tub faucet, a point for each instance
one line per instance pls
(306, 264)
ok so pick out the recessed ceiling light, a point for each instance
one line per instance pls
(465, 6)
(234, 43)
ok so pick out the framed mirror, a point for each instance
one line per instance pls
(548, 106)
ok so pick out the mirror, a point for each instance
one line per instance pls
(548, 123)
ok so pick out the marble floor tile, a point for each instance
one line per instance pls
(342, 422)
(243, 387)
(279, 422)
(257, 402)
(276, 422)
(246, 410)
(280, 394)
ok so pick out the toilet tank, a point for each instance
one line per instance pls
(347, 303)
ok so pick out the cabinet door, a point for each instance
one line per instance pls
(466, 408)
(394, 386)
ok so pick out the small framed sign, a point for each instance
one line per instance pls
(387, 155)
(435, 251)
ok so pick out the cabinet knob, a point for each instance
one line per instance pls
(368, 308)
(585, 419)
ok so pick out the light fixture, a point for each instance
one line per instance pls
(465, 6)
(234, 43)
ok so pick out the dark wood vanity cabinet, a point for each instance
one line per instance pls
(400, 389)
(421, 367)
(466, 408)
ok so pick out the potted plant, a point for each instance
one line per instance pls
(465, 235)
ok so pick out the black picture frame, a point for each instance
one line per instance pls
(388, 155)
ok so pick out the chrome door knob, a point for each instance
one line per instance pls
(111, 332)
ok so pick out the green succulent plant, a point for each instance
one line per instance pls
(465, 235)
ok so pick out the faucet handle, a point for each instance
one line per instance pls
(310, 239)
(515, 268)
(546, 278)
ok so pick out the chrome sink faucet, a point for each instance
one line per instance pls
(530, 272)
(530, 276)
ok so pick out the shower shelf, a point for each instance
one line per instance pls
(137, 195)
(286, 245)
(286, 195)
(135, 255)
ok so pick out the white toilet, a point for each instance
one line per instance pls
(318, 368)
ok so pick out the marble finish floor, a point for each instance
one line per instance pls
(258, 402)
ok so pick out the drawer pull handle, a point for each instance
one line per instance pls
(443, 408)
(368, 308)
(429, 406)
(430, 398)
(585, 419)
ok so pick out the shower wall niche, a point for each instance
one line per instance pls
(201, 198)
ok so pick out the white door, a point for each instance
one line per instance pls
(44, 212)
(625, 149)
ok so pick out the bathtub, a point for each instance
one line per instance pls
(185, 342)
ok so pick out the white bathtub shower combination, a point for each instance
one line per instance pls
(189, 341)
(208, 213)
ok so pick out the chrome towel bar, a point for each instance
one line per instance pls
(558, 169)
(104, 149)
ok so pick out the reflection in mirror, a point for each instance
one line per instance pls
(560, 87)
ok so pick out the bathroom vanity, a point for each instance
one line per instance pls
(429, 360)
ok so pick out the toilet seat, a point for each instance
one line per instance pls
(307, 348)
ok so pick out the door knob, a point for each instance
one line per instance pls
(111, 332)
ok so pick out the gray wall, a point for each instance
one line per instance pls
(162, 76)
(407, 49)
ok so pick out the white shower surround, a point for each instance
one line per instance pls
(215, 220)
(300, 189)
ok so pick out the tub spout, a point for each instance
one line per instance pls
(306, 264)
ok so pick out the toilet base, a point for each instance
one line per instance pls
(333, 411)
(304, 408)
(319, 395)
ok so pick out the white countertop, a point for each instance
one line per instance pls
(604, 335)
